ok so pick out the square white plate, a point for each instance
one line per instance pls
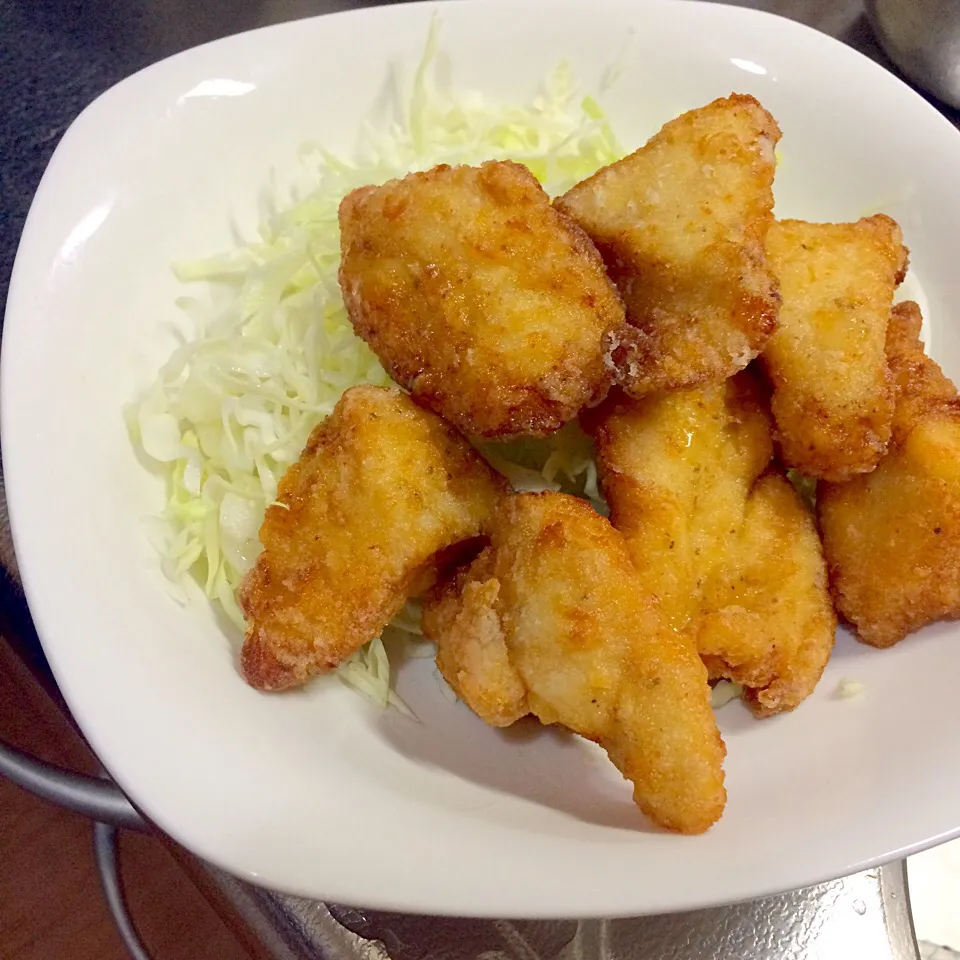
(316, 792)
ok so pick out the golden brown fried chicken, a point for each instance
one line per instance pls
(681, 224)
(479, 297)
(676, 469)
(552, 619)
(720, 535)
(382, 492)
(919, 385)
(831, 393)
(892, 537)
(766, 619)
(463, 619)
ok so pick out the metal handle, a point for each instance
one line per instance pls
(108, 866)
(101, 800)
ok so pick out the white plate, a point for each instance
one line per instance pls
(316, 792)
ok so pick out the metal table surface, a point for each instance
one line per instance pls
(58, 55)
(864, 917)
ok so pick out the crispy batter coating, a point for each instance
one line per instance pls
(463, 619)
(479, 297)
(719, 535)
(832, 399)
(682, 225)
(892, 537)
(767, 620)
(553, 619)
(920, 386)
(676, 469)
(382, 495)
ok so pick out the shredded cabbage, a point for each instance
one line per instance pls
(234, 405)
(806, 488)
(563, 461)
(723, 692)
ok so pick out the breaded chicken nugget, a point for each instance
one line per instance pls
(920, 386)
(681, 224)
(892, 537)
(676, 469)
(472, 654)
(553, 619)
(381, 489)
(831, 393)
(767, 619)
(479, 297)
(719, 535)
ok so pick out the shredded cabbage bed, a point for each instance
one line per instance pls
(233, 406)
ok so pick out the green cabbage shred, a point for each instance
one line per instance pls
(724, 692)
(233, 406)
(805, 486)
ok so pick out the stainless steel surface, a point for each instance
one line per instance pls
(923, 38)
(292, 928)
(864, 917)
(98, 799)
(106, 854)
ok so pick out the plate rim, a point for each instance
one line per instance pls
(17, 482)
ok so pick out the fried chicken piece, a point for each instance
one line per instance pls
(383, 494)
(919, 385)
(682, 224)
(719, 535)
(767, 620)
(480, 298)
(676, 469)
(472, 655)
(832, 399)
(892, 537)
(552, 619)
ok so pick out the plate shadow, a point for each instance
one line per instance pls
(548, 766)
